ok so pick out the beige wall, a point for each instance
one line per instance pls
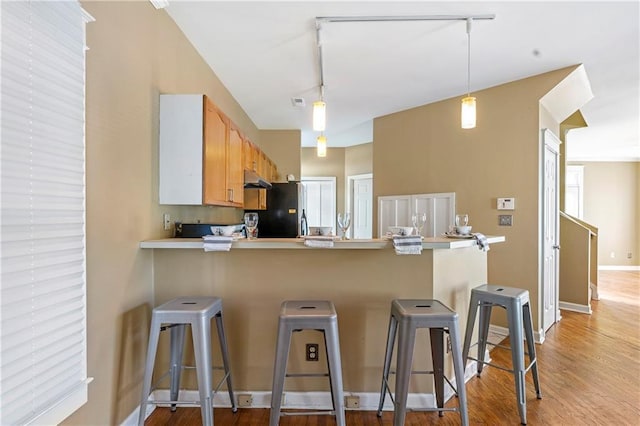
(611, 202)
(358, 159)
(283, 147)
(136, 53)
(574, 279)
(423, 150)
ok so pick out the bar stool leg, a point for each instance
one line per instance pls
(531, 347)
(458, 368)
(202, 351)
(225, 359)
(148, 371)
(403, 373)
(177, 349)
(279, 371)
(388, 355)
(483, 333)
(437, 356)
(514, 314)
(332, 344)
(471, 320)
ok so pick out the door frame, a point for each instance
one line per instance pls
(350, 196)
(549, 139)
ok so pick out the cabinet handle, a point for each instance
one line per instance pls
(230, 190)
(255, 166)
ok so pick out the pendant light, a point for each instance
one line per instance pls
(320, 115)
(321, 146)
(468, 109)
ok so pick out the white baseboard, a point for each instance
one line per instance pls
(618, 268)
(305, 400)
(132, 419)
(574, 307)
(538, 336)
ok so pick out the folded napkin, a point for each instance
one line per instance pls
(408, 244)
(217, 243)
(318, 241)
(483, 244)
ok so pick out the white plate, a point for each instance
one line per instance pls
(458, 236)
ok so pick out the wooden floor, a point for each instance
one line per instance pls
(589, 374)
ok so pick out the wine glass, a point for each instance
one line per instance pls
(344, 221)
(462, 219)
(251, 223)
(418, 222)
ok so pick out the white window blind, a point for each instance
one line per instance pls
(43, 372)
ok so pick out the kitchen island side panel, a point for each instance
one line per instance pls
(361, 283)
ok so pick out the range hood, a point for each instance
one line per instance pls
(254, 181)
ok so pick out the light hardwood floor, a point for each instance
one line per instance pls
(589, 373)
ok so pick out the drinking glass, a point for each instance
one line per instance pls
(418, 222)
(344, 221)
(251, 223)
(462, 219)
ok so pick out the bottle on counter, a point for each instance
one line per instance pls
(304, 228)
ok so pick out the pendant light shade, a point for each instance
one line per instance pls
(319, 116)
(468, 109)
(468, 113)
(321, 146)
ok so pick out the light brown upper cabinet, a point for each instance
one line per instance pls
(200, 154)
(235, 171)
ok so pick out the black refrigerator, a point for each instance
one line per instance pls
(281, 219)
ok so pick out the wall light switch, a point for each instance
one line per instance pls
(506, 203)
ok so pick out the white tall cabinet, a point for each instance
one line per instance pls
(396, 210)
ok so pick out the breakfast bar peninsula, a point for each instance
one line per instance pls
(361, 277)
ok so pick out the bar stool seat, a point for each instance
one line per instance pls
(175, 315)
(297, 315)
(516, 303)
(408, 315)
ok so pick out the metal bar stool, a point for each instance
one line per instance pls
(516, 302)
(175, 315)
(297, 315)
(409, 315)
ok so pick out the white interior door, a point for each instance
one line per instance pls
(362, 217)
(550, 230)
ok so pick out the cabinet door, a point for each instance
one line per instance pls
(180, 149)
(250, 154)
(216, 131)
(235, 169)
(255, 199)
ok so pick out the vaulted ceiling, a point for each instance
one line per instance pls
(265, 53)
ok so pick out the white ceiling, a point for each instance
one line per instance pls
(265, 53)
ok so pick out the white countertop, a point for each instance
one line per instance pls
(298, 243)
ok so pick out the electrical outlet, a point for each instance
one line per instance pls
(167, 221)
(629, 256)
(245, 400)
(612, 255)
(505, 220)
(448, 343)
(312, 351)
(352, 401)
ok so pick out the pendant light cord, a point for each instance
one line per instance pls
(469, 20)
